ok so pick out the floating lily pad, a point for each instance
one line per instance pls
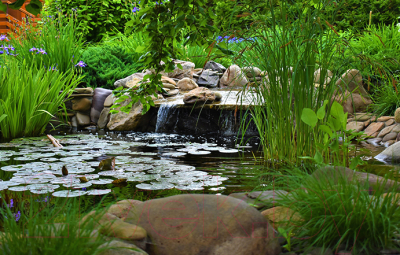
(101, 181)
(18, 188)
(154, 186)
(199, 152)
(69, 193)
(98, 191)
(78, 185)
(142, 178)
(174, 154)
(229, 151)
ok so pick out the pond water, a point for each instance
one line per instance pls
(147, 161)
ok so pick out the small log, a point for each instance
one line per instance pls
(54, 141)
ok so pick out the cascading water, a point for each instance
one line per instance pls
(163, 115)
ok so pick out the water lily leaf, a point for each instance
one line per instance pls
(69, 193)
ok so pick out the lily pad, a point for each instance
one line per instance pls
(98, 191)
(69, 193)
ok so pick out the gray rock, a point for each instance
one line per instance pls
(186, 71)
(99, 97)
(104, 118)
(124, 81)
(260, 198)
(233, 77)
(215, 66)
(83, 90)
(109, 101)
(208, 79)
(199, 96)
(196, 224)
(82, 119)
(117, 247)
(391, 153)
(251, 71)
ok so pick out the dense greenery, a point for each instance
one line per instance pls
(96, 18)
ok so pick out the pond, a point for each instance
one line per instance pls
(149, 162)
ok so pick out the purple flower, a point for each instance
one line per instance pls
(17, 216)
(11, 203)
(3, 37)
(41, 51)
(135, 9)
(32, 49)
(84, 189)
(11, 47)
(81, 64)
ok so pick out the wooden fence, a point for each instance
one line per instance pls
(13, 18)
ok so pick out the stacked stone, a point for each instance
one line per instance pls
(384, 130)
(81, 103)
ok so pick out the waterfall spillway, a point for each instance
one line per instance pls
(163, 115)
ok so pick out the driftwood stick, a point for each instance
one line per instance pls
(54, 141)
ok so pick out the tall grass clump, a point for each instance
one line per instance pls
(42, 224)
(30, 96)
(290, 47)
(336, 211)
(55, 39)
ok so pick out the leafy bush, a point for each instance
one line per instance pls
(30, 96)
(106, 64)
(97, 18)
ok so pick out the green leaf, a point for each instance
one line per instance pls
(17, 4)
(318, 158)
(140, 48)
(309, 117)
(3, 7)
(337, 110)
(2, 117)
(321, 110)
(326, 129)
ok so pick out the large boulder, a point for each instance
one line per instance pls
(131, 121)
(130, 81)
(352, 102)
(215, 66)
(204, 224)
(390, 154)
(99, 97)
(81, 104)
(199, 95)
(209, 79)
(351, 81)
(186, 84)
(186, 71)
(233, 77)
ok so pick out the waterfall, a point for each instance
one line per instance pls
(163, 115)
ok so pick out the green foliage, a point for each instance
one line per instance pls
(30, 96)
(337, 211)
(285, 43)
(34, 6)
(162, 25)
(44, 225)
(97, 18)
(386, 99)
(56, 36)
(106, 64)
(334, 147)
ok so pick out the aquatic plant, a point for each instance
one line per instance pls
(290, 49)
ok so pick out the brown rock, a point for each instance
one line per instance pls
(165, 79)
(199, 95)
(374, 127)
(390, 122)
(109, 101)
(81, 104)
(187, 84)
(186, 71)
(82, 119)
(385, 131)
(83, 90)
(122, 208)
(354, 125)
(135, 76)
(359, 116)
(123, 230)
(352, 102)
(128, 121)
(384, 118)
(388, 143)
(169, 86)
(397, 115)
(171, 93)
(366, 123)
(233, 77)
(317, 76)
(133, 83)
(390, 136)
(352, 81)
(196, 224)
(281, 216)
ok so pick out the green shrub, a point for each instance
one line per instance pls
(97, 18)
(106, 64)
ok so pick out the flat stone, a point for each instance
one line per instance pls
(374, 127)
(104, 118)
(81, 104)
(83, 90)
(384, 118)
(81, 95)
(168, 86)
(187, 84)
(260, 198)
(390, 122)
(172, 93)
(362, 116)
(385, 131)
(396, 128)
(109, 101)
(355, 125)
(82, 119)
(366, 123)
(165, 79)
(388, 143)
(390, 136)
